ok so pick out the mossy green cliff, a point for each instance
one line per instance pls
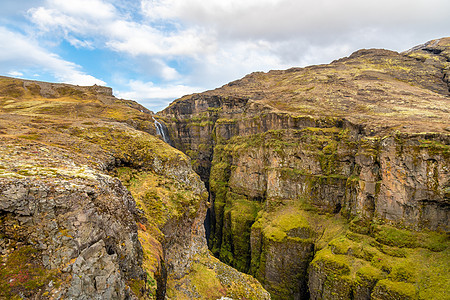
(331, 181)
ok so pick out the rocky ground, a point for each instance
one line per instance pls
(331, 181)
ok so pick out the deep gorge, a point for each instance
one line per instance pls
(276, 191)
(324, 182)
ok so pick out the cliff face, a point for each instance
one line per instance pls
(329, 181)
(93, 205)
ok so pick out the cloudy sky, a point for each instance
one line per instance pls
(154, 51)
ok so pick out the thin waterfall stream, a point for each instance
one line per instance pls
(162, 131)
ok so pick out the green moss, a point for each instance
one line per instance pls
(200, 124)
(205, 282)
(331, 263)
(137, 286)
(131, 147)
(404, 271)
(369, 273)
(214, 109)
(226, 121)
(396, 237)
(393, 251)
(342, 245)
(31, 136)
(283, 223)
(436, 148)
(359, 225)
(291, 173)
(370, 260)
(387, 289)
(242, 215)
(432, 275)
(161, 198)
(401, 238)
(238, 216)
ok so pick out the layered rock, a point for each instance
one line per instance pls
(287, 154)
(93, 205)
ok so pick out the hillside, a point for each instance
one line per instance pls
(330, 181)
(93, 205)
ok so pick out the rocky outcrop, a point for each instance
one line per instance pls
(76, 220)
(287, 154)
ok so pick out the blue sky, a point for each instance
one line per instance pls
(154, 51)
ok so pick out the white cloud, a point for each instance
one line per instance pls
(141, 39)
(273, 33)
(283, 19)
(21, 52)
(148, 90)
(102, 22)
(69, 13)
(155, 97)
(90, 9)
(169, 73)
(15, 73)
(309, 28)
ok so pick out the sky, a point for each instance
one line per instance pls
(154, 51)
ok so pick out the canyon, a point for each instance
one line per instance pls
(324, 182)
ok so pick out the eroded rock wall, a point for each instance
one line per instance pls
(261, 157)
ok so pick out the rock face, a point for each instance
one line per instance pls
(331, 181)
(76, 220)
(94, 206)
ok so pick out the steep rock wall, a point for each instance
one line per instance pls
(401, 179)
(273, 170)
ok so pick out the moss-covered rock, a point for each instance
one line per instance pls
(386, 289)
(376, 269)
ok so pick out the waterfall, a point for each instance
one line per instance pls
(162, 131)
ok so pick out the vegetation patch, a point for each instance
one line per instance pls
(335, 264)
(387, 289)
(22, 273)
(403, 264)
